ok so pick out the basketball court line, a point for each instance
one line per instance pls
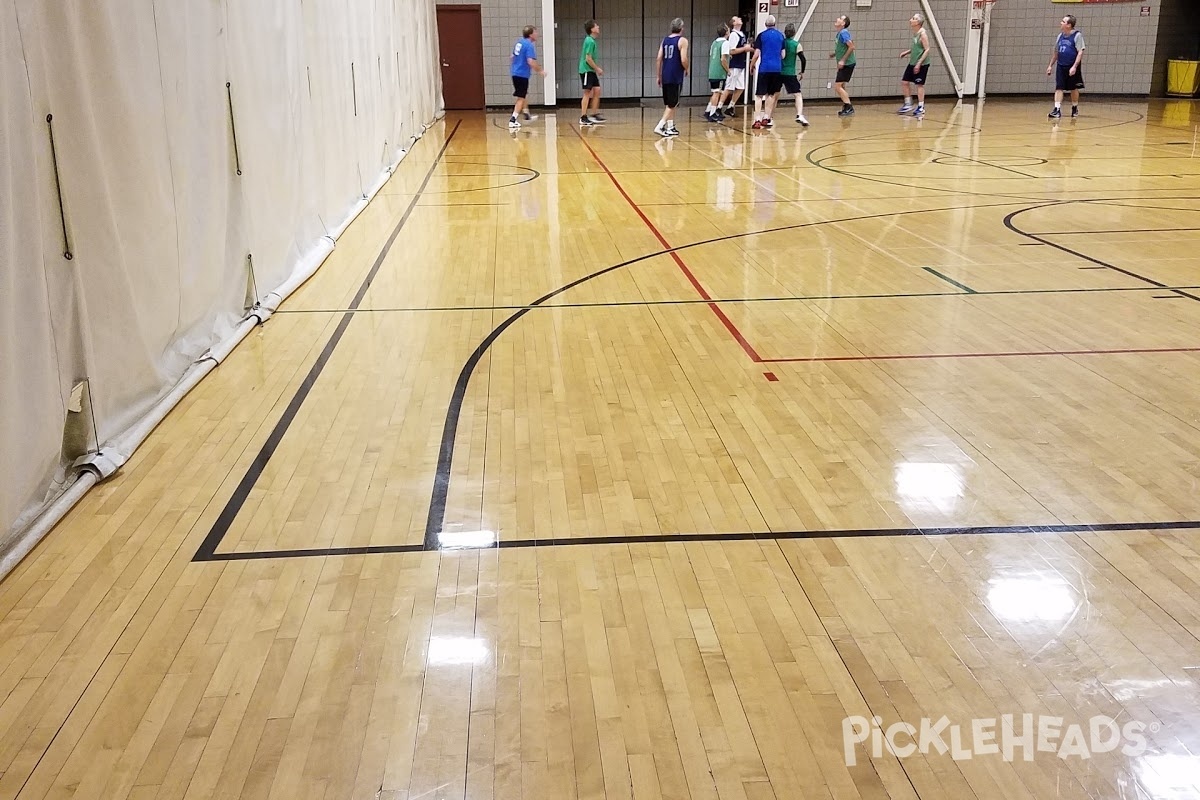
(738, 536)
(928, 356)
(748, 300)
(254, 472)
(437, 507)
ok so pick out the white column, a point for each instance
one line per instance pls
(550, 94)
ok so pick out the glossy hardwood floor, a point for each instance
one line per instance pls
(593, 465)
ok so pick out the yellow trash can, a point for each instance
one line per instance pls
(1183, 77)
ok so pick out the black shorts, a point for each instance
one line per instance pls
(844, 74)
(589, 80)
(520, 86)
(1068, 82)
(915, 75)
(671, 92)
(769, 83)
(792, 84)
(716, 84)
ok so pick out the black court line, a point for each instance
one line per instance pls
(739, 536)
(748, 300)
(1133, 230)
(950, 280)
(439, 496)
(1011, 225)
(233, 506)
(981, 163)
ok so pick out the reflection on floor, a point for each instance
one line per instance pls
(688, 468)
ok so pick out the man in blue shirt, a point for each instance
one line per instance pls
(1068, 56)
(768, 61)
(524, 64)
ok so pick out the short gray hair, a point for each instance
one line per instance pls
(677, 25)
(919, 17)
(770, 20)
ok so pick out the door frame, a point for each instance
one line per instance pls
(460, 8)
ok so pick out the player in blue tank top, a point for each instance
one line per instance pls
(672, 67)
(1068, 59)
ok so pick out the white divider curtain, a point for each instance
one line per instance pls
(158, 222)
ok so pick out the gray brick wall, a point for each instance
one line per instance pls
(1126, 52)
(1120, 45)
(502, 24)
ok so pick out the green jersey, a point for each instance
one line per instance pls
(589, 49)
(716, 70)
(790, 48)
(841, 45)
(918, 49)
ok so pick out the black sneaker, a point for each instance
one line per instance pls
(596, 118)
(1074, 111)
(848, 111)
(1055, 114)
(729, 112)
(584, 122)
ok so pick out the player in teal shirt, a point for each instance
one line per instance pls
(843, 51)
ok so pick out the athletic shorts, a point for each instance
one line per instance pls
(1068, 82)
(589, 80)
(736, 79)
(671, 92)
(914, 75)
(716, 84)
(792, 84)
(844, 74)
(769, 83)
(520, 86)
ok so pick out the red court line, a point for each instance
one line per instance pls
(704, 295)
(915, 356)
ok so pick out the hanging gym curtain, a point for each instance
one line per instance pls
(153, 150)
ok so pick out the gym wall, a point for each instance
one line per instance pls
(157, 220)
(503, 21)
(1120, 45)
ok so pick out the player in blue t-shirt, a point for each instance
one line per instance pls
(768, 60)
(524, 64)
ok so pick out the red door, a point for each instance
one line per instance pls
(460, 40)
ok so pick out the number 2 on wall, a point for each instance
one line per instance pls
(763, 8)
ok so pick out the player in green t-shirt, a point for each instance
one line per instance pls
(589, 76)
(718, 68)
(843, 51)
(792, 51)
(918, 67)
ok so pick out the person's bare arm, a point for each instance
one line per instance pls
(683, 54)
(925, 47)
(533, 65)
(595, 67)
(658, 64)
(849, 52)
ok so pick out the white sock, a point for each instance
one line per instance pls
(908, 101)
(1058, 105)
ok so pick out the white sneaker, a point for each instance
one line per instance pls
(800, 118)
(513, 124)
(904, 109)
(660, 130)
(672, 131)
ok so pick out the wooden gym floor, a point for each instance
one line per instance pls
(884, 417)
